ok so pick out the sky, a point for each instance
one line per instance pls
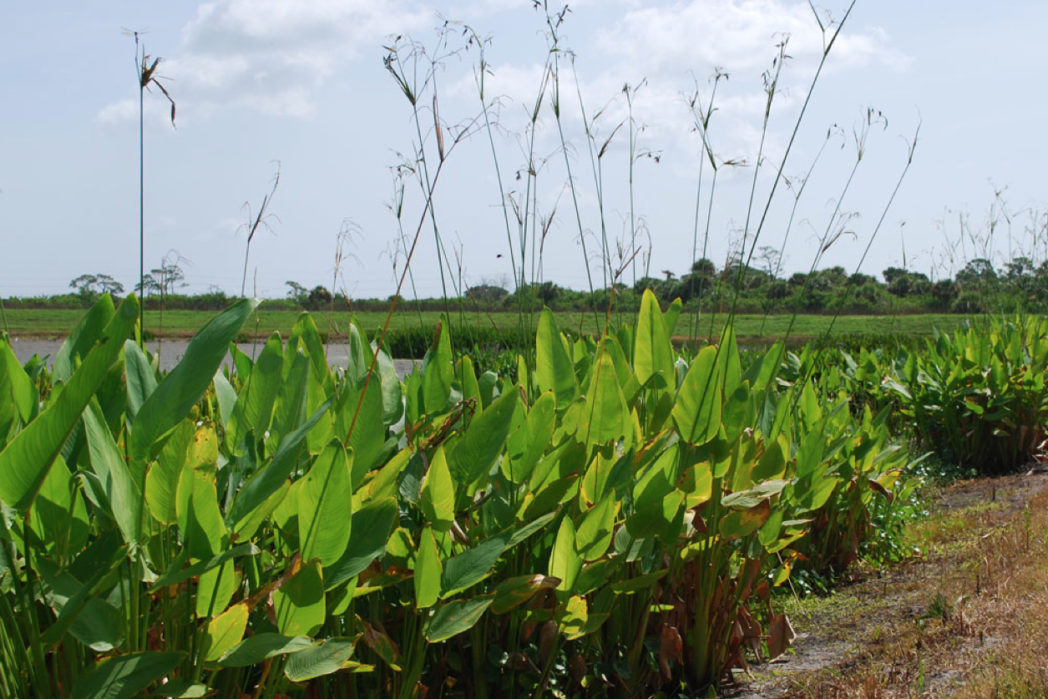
(305, 89)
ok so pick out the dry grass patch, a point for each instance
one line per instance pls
(968, 618)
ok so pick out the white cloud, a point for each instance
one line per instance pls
(274, 55)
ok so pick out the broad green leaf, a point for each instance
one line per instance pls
(254, 407)
(58, 515)
(437, 497)
(697, 412)
(428, 570)
(452, 618)
(87, 617)
(573, 617)
(90, 328)
(183, 689)
(26, 458)
(740, 523)
(125, 676)
(392, 393)
(225, 631)
(299, 603)
(437, 372)
(473, 565)
(199, 518)
(226, 396)
(467, 377)
(652, 352)
(176, 573)
(306, 334)
(164, 473)
(606, 415)
(322, 659)
(141, 378)
(513, 592)
(369, 432)
(564, 560)
(215, 589)
(325, 506)
(672, 315)
(370, 529)
(122, 489)
(262, 646)
(16, 388)
(553, 368)
(472, 456)
(536, 434)
(272, 476)
(594, 533)
(181, 389)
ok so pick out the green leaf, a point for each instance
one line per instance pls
(672, 315)
(270, 478)
(89, 329)
(606, 415)
(536, 434)
(325, 506)
(122, 491)
(437, 497)
(427, 570)
(553, 367)
(473, 565)
(652, 352)
(199, 518)
(225, 631)
(437, 372)
(392, 394)
(452, 618)
(472, 456)
(262, 646)
(125, 675)
(88, 618)
(513, 592)
(183, 689)
(322, 659)
(564, 561)
(370, 529)
(594, 534)
(176, 573)
(16, 388)
(254, 407)
(697, 412)
(299, 603)
(163, 474)
(181, 389)
(141, 378)
(25, 460)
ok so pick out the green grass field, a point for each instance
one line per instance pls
(58, 322)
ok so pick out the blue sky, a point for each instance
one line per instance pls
(303, 83)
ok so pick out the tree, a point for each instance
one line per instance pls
(94, 284)
(296, 292)
(319, 296)
(486, 293)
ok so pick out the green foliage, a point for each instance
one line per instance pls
(608, 518)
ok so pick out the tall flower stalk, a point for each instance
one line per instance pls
(147, 77)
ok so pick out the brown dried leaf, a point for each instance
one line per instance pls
(671, 647)
(780, 635)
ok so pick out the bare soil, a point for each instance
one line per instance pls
(968, 617)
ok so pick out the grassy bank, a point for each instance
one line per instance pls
(58, 322)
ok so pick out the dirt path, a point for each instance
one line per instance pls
(967, 618)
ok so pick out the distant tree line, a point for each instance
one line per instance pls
(1020, 284)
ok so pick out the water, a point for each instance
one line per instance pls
(171, 352)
